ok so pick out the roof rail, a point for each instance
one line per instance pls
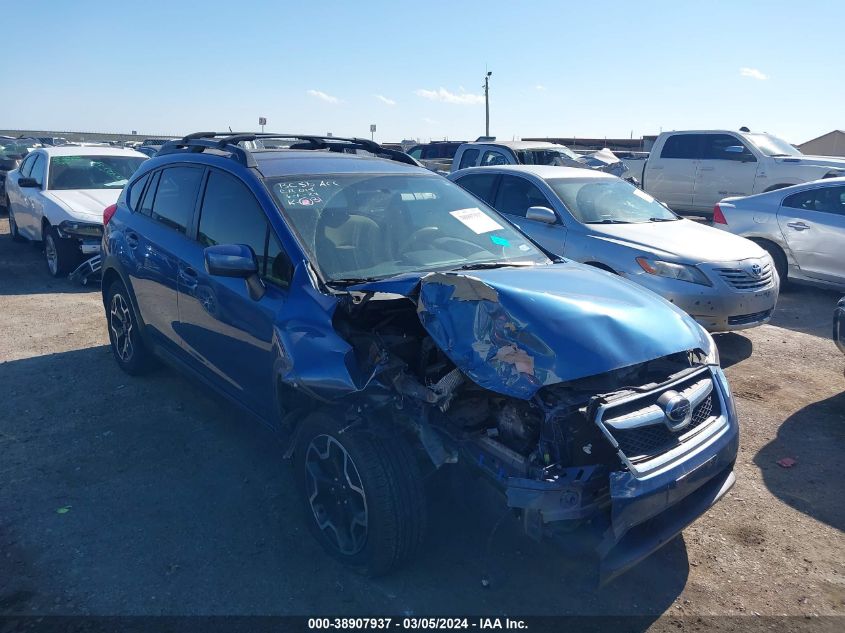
(229, 142)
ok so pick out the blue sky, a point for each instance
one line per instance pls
(416, 68)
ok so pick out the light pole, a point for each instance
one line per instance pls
(487, 103)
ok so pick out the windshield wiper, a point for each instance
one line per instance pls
(778, 155)
(488, 265)
(663, 219)
(351, 281)
(608, 221)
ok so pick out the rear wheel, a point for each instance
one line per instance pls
(62, 254)
(363, 494)
(127, 346)
(13, 225)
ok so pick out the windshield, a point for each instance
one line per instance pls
(14, 149)
(608, 201)
(772, 145)
(560, 156)
(375, 226)
(92, 172)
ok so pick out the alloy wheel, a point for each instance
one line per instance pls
(336, 494)
(52, 254)
(120, 324)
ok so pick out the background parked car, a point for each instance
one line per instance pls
(599, 219)
(58, 195)
(12, 151)
(490, 153)
(436, 155)
(692, 171)
(802, 227)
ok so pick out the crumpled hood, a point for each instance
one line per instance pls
(679, 240)
(515, 330)
(826, 161)
(86, 204)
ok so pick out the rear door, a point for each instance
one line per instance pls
(515, 196)
(227, 334)
(813, 224)
(670, 177)
(723, 172)
(156, 237)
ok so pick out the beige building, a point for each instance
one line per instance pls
(830, 144)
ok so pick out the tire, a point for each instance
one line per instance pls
(127, 346)
(778, 257)
(13, 226)
(381, 480)
(61, 254)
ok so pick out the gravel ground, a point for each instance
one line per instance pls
(149, 496)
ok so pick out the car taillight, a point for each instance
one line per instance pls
(718, 216)
(108, 212)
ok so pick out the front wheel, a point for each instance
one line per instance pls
(62, 254)
(363, 494)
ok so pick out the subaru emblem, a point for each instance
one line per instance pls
(677, 410)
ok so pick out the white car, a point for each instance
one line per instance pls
(802, 227)
(58, 194)
(692, 171)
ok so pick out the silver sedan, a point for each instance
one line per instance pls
(802, 227)
(723, 281)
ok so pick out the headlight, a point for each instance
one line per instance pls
(683, 272)
(81, 229)
(712, 352)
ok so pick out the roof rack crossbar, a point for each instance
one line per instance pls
(229, 142)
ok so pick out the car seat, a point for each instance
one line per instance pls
(347, 243)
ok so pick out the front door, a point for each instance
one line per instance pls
(228, 334)
(514, 197)
(727, 168)
(813, 225)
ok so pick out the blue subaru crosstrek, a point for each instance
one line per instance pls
(388, 323)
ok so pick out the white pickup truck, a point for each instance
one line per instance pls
(692, 170)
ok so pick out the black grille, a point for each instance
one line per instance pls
(745, 319)
(645, 442)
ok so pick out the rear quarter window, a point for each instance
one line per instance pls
(135, 191)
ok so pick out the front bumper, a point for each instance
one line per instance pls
(643, 508)
(717, 308)
(839, 325)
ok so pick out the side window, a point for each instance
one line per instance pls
(479, 185)
(468, 158)
(716, 148)
(230, 214)
(150, 193)
(416, 152)
(133, 195)
(26, 165)
(822, 199)
(517, 194)
(492, 157)
(176, 196)
(38, 168)
(682, 146)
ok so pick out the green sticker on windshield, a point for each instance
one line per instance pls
(499, 240)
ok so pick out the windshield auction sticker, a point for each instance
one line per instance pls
(476, 220)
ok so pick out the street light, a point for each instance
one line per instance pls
(487, 103)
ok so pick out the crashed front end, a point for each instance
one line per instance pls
(596, 408)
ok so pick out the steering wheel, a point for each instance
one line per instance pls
(424, 235)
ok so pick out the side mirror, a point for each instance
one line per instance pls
(27, 183)
(235, 260)
(541, 214)
(734, 149)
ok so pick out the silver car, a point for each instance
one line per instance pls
(802, 227)
(723, 281)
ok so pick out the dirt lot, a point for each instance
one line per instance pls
(148, 496)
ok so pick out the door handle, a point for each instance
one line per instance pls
(798, 226)
(188, 276)
(132, 239)
(706, 169)
(656, 167)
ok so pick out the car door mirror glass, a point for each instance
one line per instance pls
(27, 183)
(230, 260)
(541, 214)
